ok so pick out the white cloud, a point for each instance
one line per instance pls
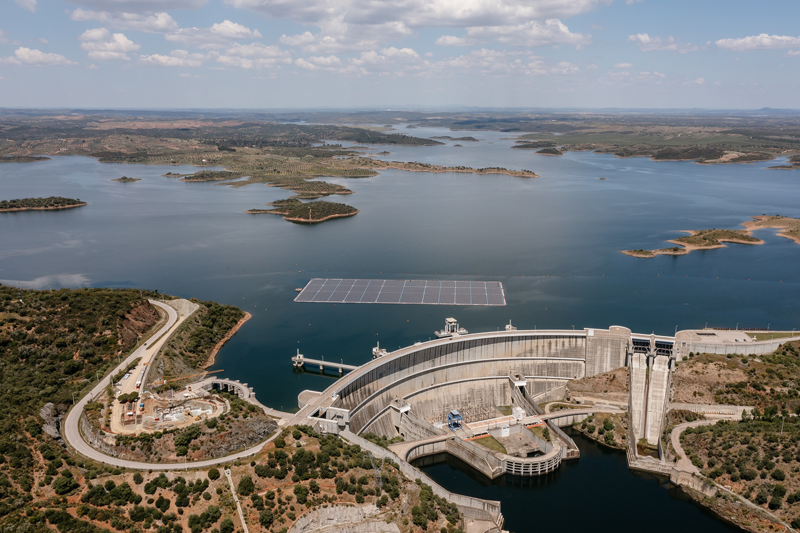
(698, 81)
(102, 45)
(92, 66)
(530, 34)
(147, 22)
(140, 6)
(793, 53)
(43, 40)
(623, 65)
(485, 62)
(3, 38)
(629, 2)
(759, 42)
(647, 44)
(364, 24)
(217, 36)
(253, 56)
(319, 62)
(176, 58)
(336, 36)
(28, 56)
(420, 13)
(30, 5)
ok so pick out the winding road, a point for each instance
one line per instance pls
(71, 427)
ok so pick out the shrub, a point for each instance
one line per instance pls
(778, 475)
(213, 474)
(246, 486)
(266, 518)
(301, 492)
(64, 484)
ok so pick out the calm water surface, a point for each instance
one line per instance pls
(584, 495)
(553, 241)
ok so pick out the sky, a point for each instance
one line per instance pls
(272, 54)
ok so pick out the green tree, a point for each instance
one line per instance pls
(246, 486)
(226, 526)
(266, 517)
(64, 484)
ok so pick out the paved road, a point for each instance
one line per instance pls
(236, 499)
(71, 431)
(684, 463)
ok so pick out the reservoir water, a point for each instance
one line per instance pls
(553, 241)
(597, 493)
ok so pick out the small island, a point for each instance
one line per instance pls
(550, 151)
(534, 145)
(710, 239)
(415, 166)
(449, 138)
(40, 204)
(22, 158)
(294, 210)
(126, 179)
(206, 175)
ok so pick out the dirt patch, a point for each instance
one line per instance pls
(698, 381)
(612, 385)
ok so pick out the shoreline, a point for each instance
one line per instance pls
(439, 169)
(56, 208)
(317, 220)
(212, 357)
(686, 248)
(751, 225)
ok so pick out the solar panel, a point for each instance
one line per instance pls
(396, 291)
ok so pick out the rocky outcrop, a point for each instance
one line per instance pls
(52, 420)
(343, 519)
(140, 319)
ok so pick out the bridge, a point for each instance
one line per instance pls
(300, 361)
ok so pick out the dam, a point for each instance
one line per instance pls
(411, 394)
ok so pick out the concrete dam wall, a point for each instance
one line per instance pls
(472, 371)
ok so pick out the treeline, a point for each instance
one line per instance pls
(205, 329)
(52, 202)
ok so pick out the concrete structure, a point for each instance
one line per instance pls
(411, 392)
(300, 361)
(651, 361)
(722, 342)
(471, 371)
(242, 390)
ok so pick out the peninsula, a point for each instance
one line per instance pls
(414, 166)
(710, 239)
(22, 158)
(40, 204)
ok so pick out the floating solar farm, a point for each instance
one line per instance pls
(393, 291)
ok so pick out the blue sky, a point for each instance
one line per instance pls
(364, 53)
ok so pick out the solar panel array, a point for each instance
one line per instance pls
(393, 291)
